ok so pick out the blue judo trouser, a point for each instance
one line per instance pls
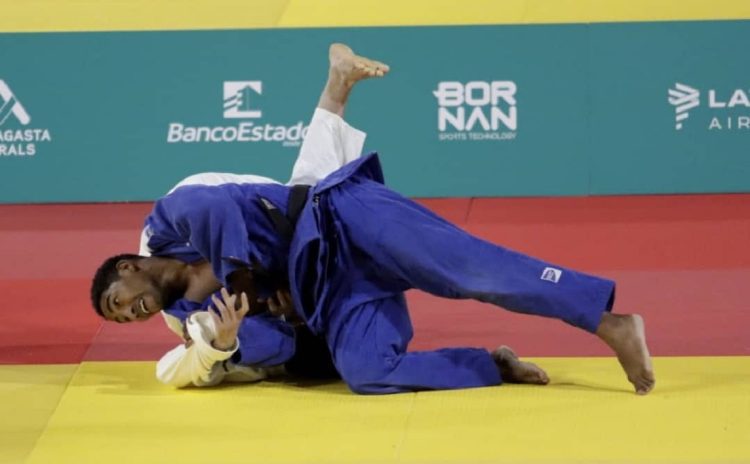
(388, 241)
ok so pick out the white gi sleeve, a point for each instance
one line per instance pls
(329, 144)
(143, 248)
(200, 364)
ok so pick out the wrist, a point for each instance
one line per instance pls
(222, 345)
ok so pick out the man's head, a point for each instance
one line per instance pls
(125, 289)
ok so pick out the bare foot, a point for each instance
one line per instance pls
(626, 335)
(352, 68)
(346, 69)
(513, 370)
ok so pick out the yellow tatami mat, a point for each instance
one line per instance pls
(28, 397)
(117, 412)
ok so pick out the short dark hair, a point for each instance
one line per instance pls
(104, 276)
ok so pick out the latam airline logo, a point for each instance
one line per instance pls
(11, 105)
(728, 110)
(683, 98)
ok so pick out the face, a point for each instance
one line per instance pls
(135, 296)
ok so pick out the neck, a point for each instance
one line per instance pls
(172, 275)
(202, 281)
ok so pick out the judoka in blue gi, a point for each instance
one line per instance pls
(354, 249)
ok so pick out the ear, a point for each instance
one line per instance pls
(126, 266)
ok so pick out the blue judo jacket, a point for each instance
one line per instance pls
(228, 226)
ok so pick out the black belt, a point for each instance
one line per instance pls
(284, 223)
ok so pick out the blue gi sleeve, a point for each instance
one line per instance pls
(264, 341)
(208, 220)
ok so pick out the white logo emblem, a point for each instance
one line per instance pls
(683, 98)
(477, 110)
(11, 105)
(551, 274)
(724, 107)
(239, 103)
(15, 141)
(238, 97)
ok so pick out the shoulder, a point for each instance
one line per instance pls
(192, 198)
(220, 178)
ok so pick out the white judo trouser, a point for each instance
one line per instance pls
(329, 144)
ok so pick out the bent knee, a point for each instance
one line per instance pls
(371, 378)
(374, 387)
(364, 388)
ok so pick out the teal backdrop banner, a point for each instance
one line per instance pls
(466, 111)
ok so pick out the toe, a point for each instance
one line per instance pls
(541, 376)
(508, 350)
(382, 66)
(643, 386)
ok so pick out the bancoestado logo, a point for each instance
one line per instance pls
(13, 141)
(725, 107)
(238, 104)
(477, 110)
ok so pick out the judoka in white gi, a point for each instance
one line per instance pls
(354, 248)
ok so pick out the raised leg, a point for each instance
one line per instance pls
(413, 248)
(330, 142)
